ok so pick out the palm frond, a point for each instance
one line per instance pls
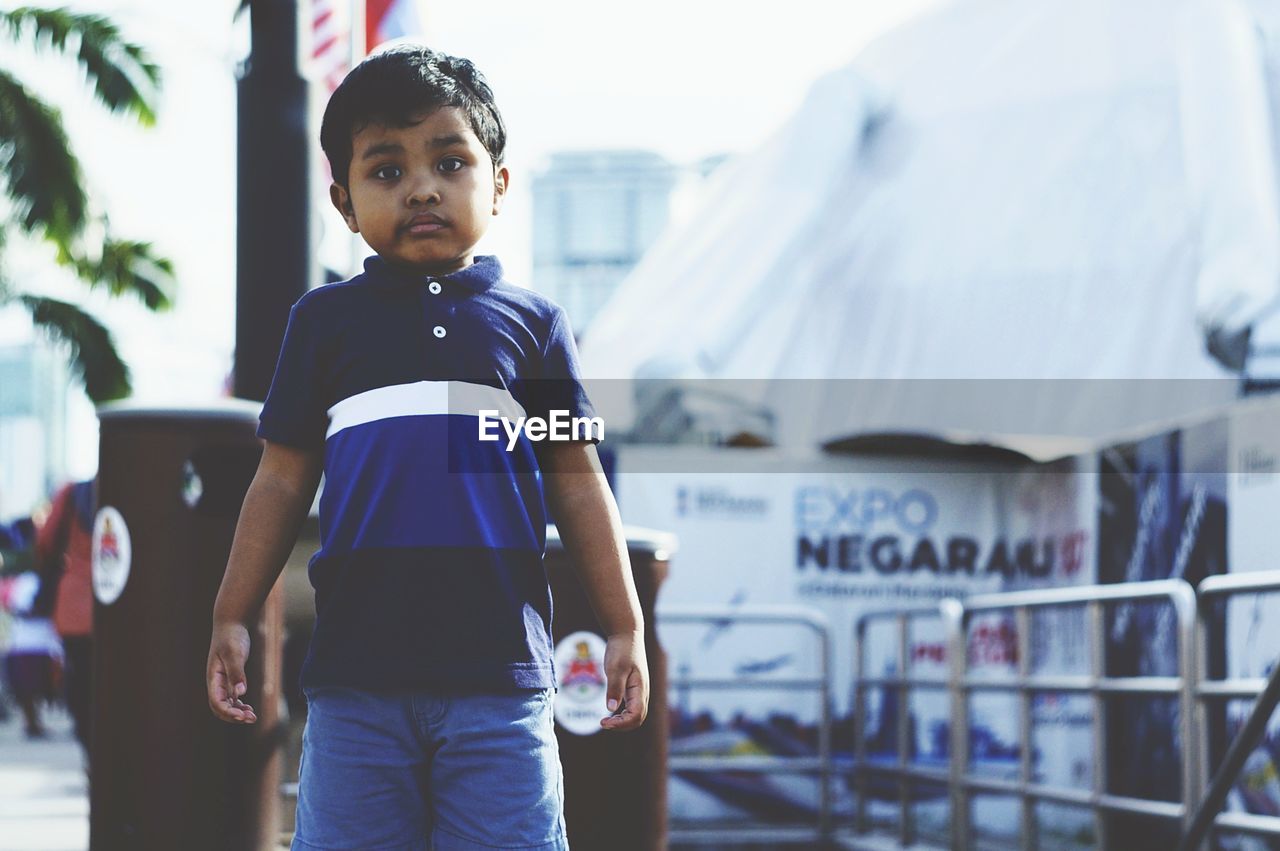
(93, 353)
(122, 75)
(43, 175)
(127, 267)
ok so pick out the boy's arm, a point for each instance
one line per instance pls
(591, 529)
(274, 507)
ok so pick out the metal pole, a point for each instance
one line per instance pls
(1243, 744)
(825, 825)
(1097, 622)
(1026, 762)
(906, 830)
(1203, 727)
(273, 240)
(1189, 672)
(957, 657)
(861, 786)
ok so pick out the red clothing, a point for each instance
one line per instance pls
(73, 609)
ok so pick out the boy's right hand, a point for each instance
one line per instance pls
(224, 674)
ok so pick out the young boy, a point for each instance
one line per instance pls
(430, 674)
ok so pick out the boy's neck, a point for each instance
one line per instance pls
(432, 269)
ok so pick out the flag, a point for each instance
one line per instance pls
(388, 19)
(330, 43)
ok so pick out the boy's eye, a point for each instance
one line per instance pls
(451, 164)
(387, 172)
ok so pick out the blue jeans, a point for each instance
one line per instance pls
(409, 771)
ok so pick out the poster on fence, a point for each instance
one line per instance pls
(846, 536)
(1163, 515)
(1249, 625)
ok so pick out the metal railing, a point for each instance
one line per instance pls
(962, 783)
(1210, 690)
(821, 765)
(902, 684)
(1180, 597)
(1193, 688)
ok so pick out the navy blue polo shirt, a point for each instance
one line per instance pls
(429, 573)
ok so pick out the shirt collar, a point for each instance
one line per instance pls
(483, 273)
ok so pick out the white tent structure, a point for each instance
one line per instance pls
(1005, 217)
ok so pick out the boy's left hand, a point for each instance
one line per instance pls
(627, 675)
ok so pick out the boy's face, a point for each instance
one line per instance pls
(422, 195)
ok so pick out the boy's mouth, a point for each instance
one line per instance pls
(424, 223)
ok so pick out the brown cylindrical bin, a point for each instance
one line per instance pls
(615, 784)
(166, 773)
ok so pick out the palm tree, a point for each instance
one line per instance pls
(45, 193)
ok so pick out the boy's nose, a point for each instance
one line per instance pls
(423, 191)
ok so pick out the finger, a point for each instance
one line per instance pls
(235, 677)
(638, 698)
(237, 711)
(247, 715)
(237, 687)
(628, 719)
(219, 699)
(233, 713)
(241, 710)
(615, 684)
(224, 695)
(633, 709)
(216, 684)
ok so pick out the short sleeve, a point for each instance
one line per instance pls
(558, 388)
(295, 411)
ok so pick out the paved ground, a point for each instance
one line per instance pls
(44, 797)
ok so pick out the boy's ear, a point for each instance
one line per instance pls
(501, 180)
(341, 200)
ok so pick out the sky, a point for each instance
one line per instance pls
(685, 78)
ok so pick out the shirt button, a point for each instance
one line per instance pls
(438, 331)
(434, 286)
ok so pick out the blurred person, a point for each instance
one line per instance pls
(15, 558)
(63, 557)
(33, 660)
(430, 675)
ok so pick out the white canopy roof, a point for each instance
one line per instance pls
(1066, 189)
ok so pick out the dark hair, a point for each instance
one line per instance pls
(393, 86)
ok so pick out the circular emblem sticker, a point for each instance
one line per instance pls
(580, 705)
(111, 555)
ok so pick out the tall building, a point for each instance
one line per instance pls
(594, 214)
(34, 381)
